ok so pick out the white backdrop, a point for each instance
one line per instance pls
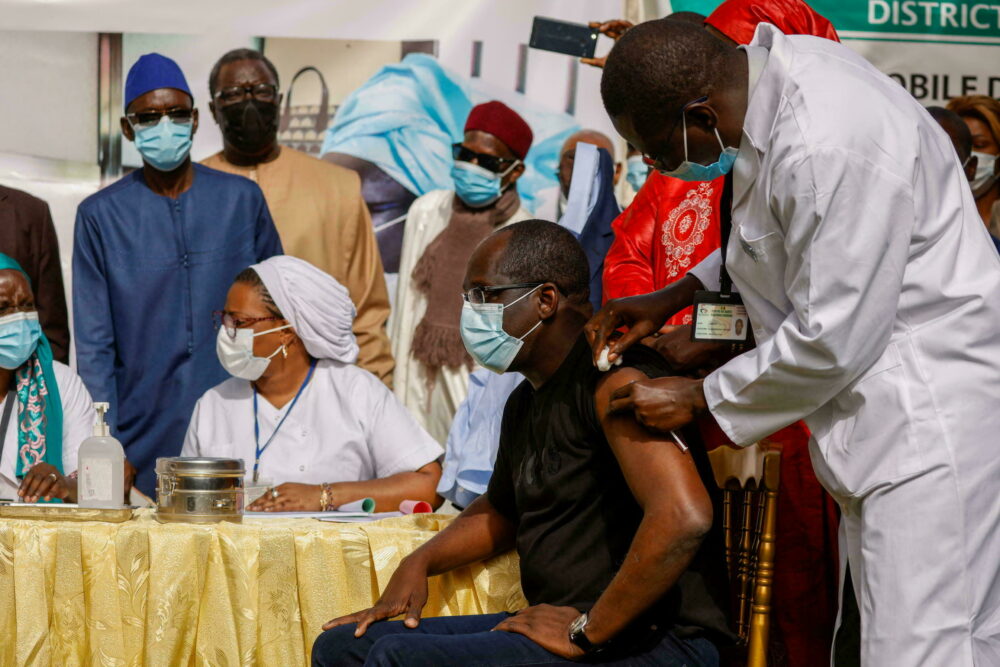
(230, 23)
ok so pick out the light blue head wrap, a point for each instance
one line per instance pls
(406, 117)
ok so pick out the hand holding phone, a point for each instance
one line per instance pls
(573, 39)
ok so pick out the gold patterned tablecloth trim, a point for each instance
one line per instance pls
(257, 593)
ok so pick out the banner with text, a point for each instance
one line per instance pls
(936, 50)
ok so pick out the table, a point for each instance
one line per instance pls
(257, 593)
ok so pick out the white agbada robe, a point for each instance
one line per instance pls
(874, 293)
(78, 425)
(433, 404)
(346, 427)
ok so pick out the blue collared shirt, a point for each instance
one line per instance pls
(475, 436)
(148, 271)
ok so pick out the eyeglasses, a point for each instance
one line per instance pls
(222, 318)
(491, 162)
(147, 119)
(477, 295)
(262, 92)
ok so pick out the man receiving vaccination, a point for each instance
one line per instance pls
(153, 256)
(619, 555)
(871, 287)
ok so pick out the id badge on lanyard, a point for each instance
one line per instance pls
(721, 317)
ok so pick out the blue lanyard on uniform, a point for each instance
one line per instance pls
(256, 423)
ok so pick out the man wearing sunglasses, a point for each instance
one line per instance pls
(153, 255)
(443, 227)
(317, 206)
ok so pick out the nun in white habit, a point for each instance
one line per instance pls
(303, 417)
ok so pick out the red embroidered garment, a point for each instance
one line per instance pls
(668, 228)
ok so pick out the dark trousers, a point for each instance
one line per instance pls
(466, 641)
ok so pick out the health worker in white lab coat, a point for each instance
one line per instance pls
(874, 296)
(314, 429)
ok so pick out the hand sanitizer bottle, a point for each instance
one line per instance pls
(101, 467)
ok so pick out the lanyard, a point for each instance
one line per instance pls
(726, 225)
(8, 409)
(256, 423)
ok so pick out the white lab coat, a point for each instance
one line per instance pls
(874, 293)
(346, 427)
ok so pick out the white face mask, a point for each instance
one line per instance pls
(236, 355)
(986, 174)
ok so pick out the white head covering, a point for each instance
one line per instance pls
(315, 304)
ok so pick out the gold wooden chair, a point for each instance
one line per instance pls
(749, 479)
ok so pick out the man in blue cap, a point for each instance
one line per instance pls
(153, 256)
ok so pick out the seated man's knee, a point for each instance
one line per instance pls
(393, 651)
(336, 646)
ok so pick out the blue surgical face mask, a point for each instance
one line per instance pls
(165, 145)
(636, 171)
(476, 186)
(19, 334)
(692, 171)
(484, 336)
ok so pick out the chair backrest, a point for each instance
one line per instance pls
(749, 479)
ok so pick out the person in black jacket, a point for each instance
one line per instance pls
(28, 235)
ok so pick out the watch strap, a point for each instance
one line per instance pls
(579, 638)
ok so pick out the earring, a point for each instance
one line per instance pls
(284, 351)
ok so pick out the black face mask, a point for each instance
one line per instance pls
(251, 126)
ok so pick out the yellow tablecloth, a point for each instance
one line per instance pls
(256, 593)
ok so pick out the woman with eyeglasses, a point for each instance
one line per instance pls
(45, 410)
(315, 429)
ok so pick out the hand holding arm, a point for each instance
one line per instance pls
(643, 315)
(660, 404)
(677, 513)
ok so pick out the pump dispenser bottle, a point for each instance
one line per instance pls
(101, 467)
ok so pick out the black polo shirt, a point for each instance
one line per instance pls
(557, 479)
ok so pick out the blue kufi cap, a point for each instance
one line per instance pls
(151, 72)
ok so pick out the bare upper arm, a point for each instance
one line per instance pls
(659, 475)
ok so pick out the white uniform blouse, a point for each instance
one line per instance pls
(346, 427)
(78, 420)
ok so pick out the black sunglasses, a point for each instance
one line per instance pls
(490, 162)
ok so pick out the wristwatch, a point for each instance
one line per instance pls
(578, 637)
